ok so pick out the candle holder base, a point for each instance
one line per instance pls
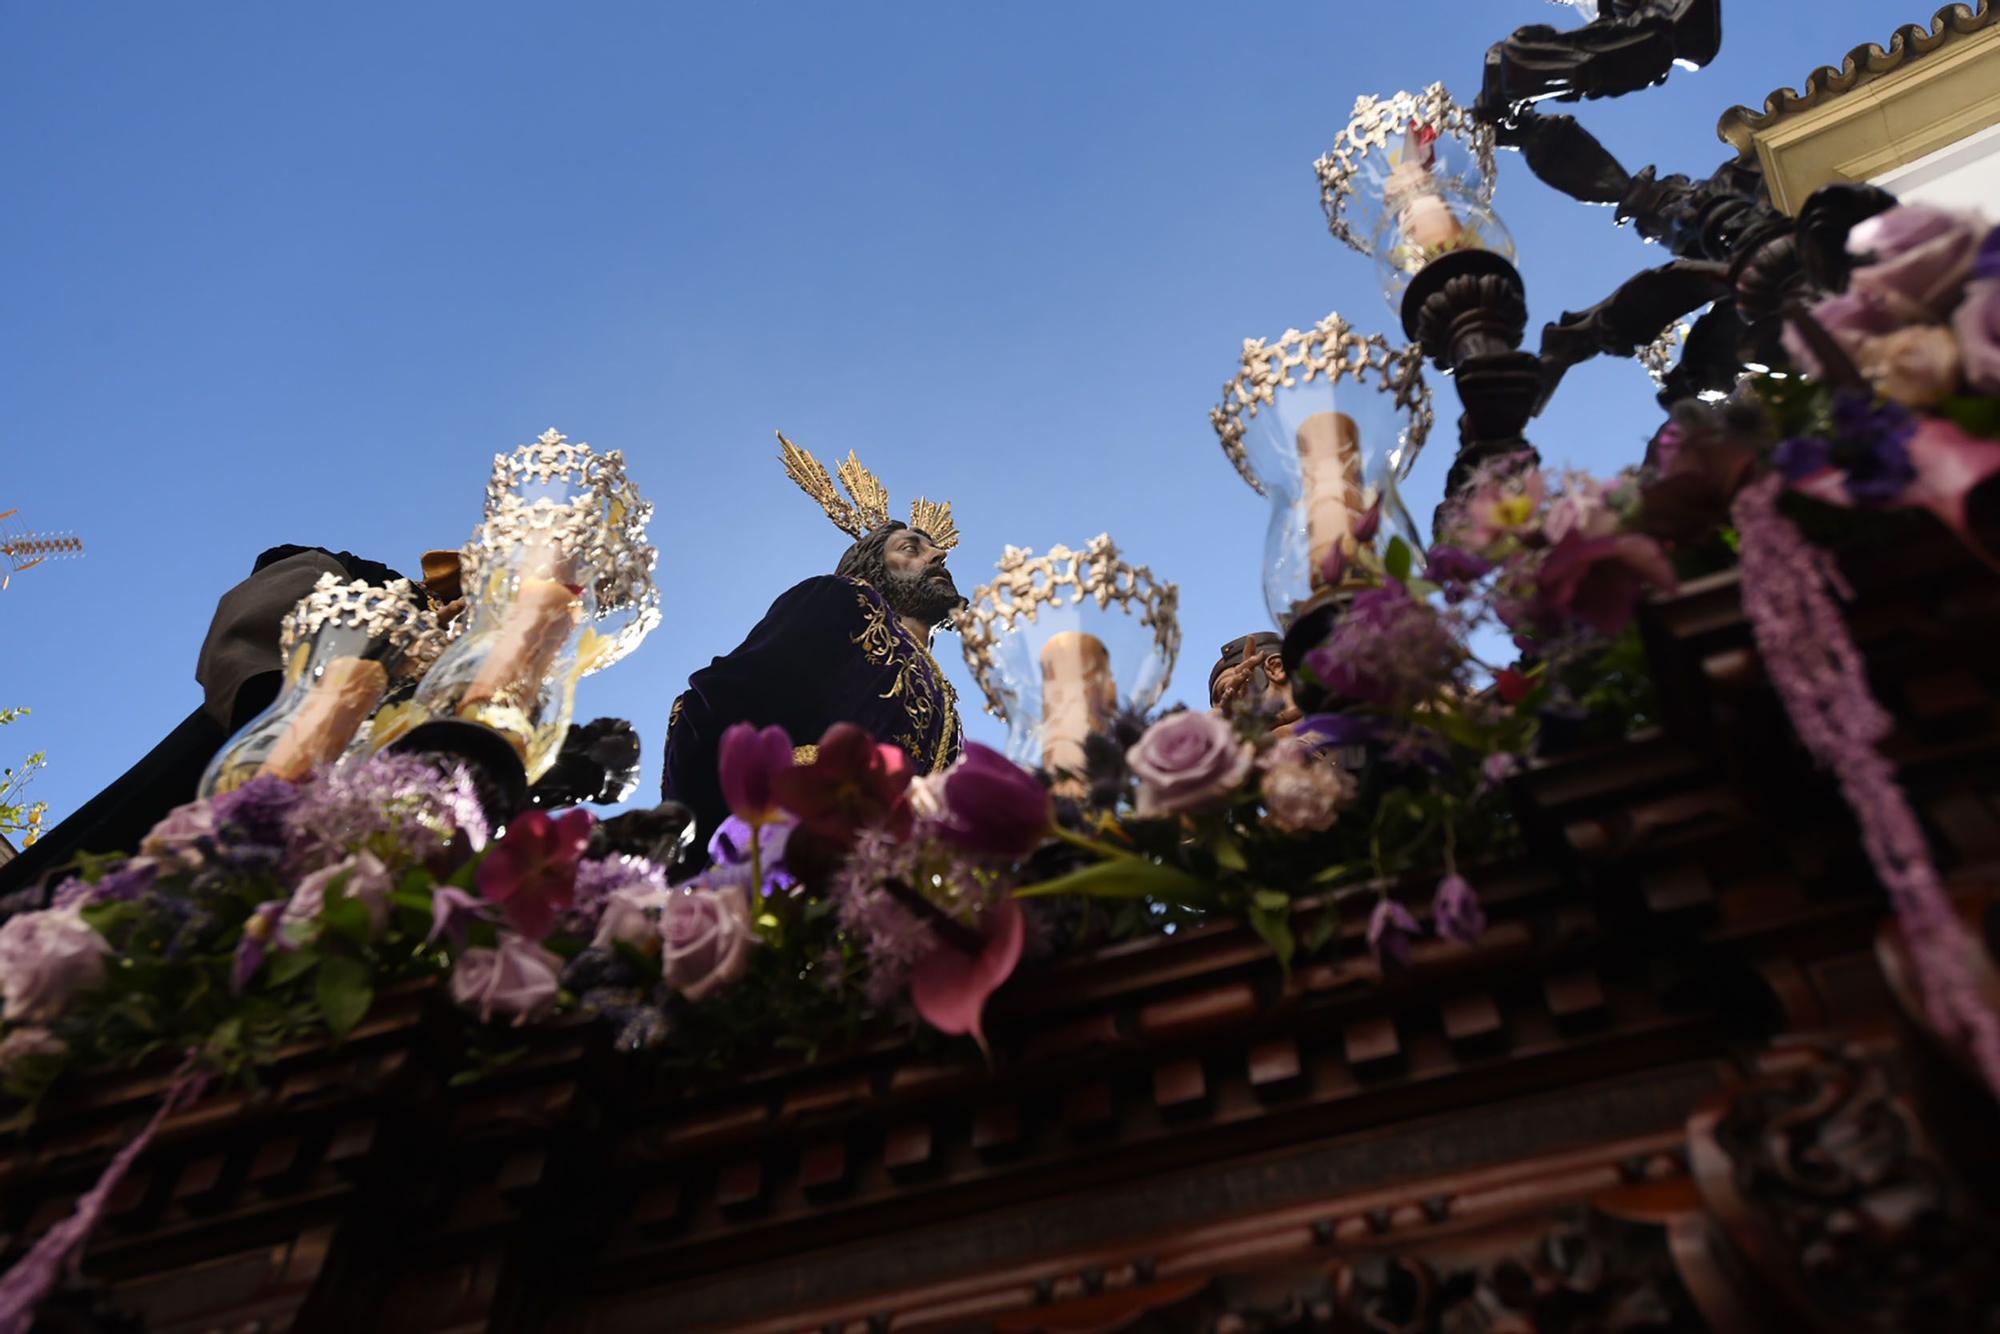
(497, 772)
(1464, 304)
(1312, 620)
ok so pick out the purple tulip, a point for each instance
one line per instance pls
(1456, 912)
(749, 759)
(452, 912)
(258, 932)
(993, 807)
(1390, 929)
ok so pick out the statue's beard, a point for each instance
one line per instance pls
(930, 597)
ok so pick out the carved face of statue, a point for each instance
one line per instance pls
(917, 583)
(1251, 673)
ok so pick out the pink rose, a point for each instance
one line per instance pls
(1917, 258)
(1305, 798)
(706, 937)
(1977, 324)
(45, 959)
(1916, 366)
(520, 978)
(1188, 762)
(632, 917)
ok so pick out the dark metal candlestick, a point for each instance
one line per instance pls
(1469, 311)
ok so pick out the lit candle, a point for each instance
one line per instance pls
(333, 710)
(1425, 219)
(532, 632)
(1334, 494)
(1079, 696)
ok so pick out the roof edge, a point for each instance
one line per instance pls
(1740, 125)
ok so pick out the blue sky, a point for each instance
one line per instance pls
(294, 273)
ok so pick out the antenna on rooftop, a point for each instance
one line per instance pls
(24, 551)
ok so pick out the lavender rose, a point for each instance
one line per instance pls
(368, 881)
(519, 979)
(185, 838)
(1977, 324)
(706, 937)
(632, 917)
(1188, 762)
(1916, 366)
(1918, 258)
(45, 959)
(1851, 318)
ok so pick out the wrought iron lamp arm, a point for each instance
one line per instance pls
(1632, 44)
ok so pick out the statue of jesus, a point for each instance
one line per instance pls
(852, 646)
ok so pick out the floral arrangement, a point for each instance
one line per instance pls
(1898, 409)
(848, 890)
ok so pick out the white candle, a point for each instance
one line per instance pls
(1079, 696)
(1334, 491)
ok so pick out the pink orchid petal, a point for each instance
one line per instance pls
(949, 988)
(1828, 485)
(1949, 465)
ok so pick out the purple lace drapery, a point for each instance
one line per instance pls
(1819, 674)
(61, 1247)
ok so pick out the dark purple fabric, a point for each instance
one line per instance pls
(828, 651)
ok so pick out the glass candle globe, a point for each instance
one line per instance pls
(1324, 424)
(530, 586)
(1410, 179)
(346, 647)
(557, 471)
(1060, 642)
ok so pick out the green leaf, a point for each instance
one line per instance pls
(1322, 929)
(282, 966)
(1228, 853)
(344, 991)
(1397, 559)
(1271, 900)
(346, 916)
(1276, 929)
(1123, 878)
(1978, 415)
(416, 901)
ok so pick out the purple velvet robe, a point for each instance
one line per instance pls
(828, 651)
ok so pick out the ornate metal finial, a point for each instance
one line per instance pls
(869, 507)
(1332, 349)
(1026, 583)
(598, 518)
(391, 612)
(1375, 123)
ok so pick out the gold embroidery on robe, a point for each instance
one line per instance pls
(926, 696)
